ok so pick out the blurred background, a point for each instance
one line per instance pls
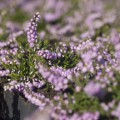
(66, 19)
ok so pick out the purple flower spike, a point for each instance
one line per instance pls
(32, 30)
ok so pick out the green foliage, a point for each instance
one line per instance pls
(22, 41)
(69, 60)
(84, 103)
(48, 45)
(41, 25)
(3, 37)
(111, 48)
(104, 30)
(19, 16)
(116, 89)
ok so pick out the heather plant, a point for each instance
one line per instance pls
(54, 63)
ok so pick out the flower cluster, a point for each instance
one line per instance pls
(58, 81)
(37, 99)
(32, 30)
(49, 55)
(4, 73)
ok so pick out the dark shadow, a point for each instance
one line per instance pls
(4, 112)
(16, 111)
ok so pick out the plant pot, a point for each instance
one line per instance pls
(13, 106)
